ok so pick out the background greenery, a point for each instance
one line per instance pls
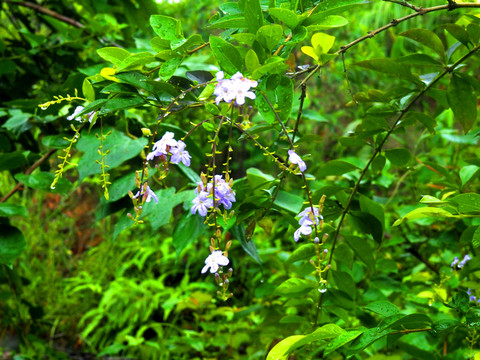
(79, 280)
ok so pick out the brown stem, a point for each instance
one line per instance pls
(47, 12)
(18, 186)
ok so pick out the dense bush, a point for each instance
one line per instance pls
(252, 179)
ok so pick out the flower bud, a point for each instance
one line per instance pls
(227, 247)
(146, 132)
(217, 278)
(230, 272)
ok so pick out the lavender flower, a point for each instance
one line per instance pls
(167, 145)
(308, 219)
(202, 203)
(462, 263)
(150, 194)
(297, 160)
(224, 195)
(180, 154)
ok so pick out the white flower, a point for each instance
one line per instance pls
(160, 147)
(304, 229)
(214, 260)
(237, 88)
(180, 154)
(77, 111)
(297, 160)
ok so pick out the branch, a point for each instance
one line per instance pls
(421, 11)
(27, 172)
(406, 4)
(57, 16)
(47, 12)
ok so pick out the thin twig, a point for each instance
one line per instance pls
(18, 186)
(406, 4)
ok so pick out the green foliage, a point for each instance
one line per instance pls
(383, 112)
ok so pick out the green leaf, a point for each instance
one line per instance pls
(341, 340)
(183, 45)
(427, 38)
(425, 119)
(120, 102)
(325, 332)
(273, 65)
(12, 209)
(166, 27)
(321, 23)
(476, 237)
(12, 244)
(136, 60)
(169, 67)
(362, 249)
(159, 214)
(286, 16)
(279, 350)
(367, 223)
(115, 55)
(121, 149)
(383, 308)
(322, 42)
(269, 36)
(344, 282)
(188, 229)
(42, 181)
(18, 123)
(466, 202)
(335, 168)
(463, 102)
(295, 287)
(387, 66)
(253, 15)
(374, 208)
(227, 55)
(230, 21)
(458, 32)
(398, 157)
(279, 91)
(238, 232)
(288, 201)
(88, 91)
(13, 160)
(303, 252)
(412, 321)
(251, 61)
(329, 7)
(423, 212)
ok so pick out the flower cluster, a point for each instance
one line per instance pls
(168, 145)
(308, 219)
(224, 195)
(296, 160)
(236, 88)
(77, 111)
(456, 263)
(214, 261)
